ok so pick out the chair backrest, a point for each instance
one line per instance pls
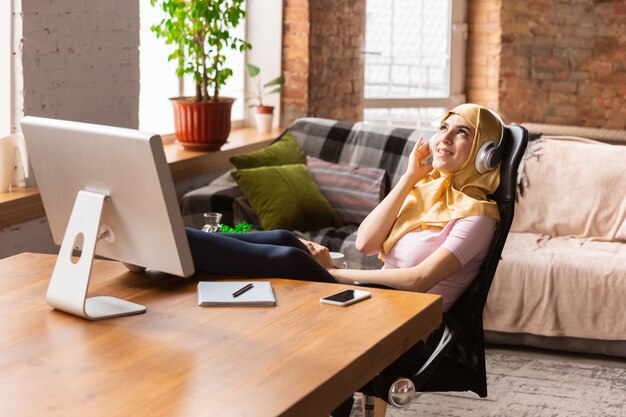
(463, 368)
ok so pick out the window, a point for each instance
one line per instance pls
(6, 68)
(414, 60)
(158, 80)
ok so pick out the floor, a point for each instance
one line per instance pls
(533, 382)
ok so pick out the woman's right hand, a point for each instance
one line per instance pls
(320, 253)
(376, 227)
(417, 168)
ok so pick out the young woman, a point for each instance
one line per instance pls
(432, 230)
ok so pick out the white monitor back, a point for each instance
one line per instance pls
(128, 166)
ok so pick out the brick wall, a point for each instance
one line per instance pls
(81, 60)
(336, 62)
(322, 61)
(561, 62)
(295, 60)
(483, 52)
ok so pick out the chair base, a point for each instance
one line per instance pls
(373, 406)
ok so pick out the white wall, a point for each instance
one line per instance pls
(5, 68)
(80, 60)
(31, 236)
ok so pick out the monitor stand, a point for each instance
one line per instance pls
(70, 279)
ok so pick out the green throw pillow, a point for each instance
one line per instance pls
(286, 197)
(282, 152)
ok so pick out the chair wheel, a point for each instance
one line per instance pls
(401, 392)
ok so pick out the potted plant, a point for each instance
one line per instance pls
(264, 114)
(201, 30)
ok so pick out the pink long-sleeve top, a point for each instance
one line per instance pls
(467, 238)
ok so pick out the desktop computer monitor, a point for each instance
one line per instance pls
(107, 191)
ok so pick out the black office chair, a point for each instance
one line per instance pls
(454, 356)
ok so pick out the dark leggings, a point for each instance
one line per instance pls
(267, 254)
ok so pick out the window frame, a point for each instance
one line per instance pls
(264, 30)
(456, 95)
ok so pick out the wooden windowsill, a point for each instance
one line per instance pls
(187, 164)
(23, 204)
(20, 205)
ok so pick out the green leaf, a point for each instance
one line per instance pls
(277, 90)
(242, 227)
(276, 81)
(200, 31)
(252, 70)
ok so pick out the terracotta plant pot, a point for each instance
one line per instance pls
(202, 126)
(264, 116)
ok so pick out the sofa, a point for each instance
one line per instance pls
(358, 145)
(561, 283)
(562, 278)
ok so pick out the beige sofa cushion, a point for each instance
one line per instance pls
(576, 187)
(565, 287)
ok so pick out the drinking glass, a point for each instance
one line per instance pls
(211, 222)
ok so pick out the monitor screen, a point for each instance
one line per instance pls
(140, 211)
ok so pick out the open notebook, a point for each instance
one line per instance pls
(220, 293)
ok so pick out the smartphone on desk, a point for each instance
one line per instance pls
(346, 298)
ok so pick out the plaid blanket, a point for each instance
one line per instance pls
(359, 144)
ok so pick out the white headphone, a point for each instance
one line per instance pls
(489, 154)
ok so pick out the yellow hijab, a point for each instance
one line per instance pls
(439, 197)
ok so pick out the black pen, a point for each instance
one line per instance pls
(242, 290)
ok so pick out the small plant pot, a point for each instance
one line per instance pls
(264, 117)
(204, 125)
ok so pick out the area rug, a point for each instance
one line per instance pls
(526, 383)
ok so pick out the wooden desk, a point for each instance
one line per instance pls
(301, 358)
